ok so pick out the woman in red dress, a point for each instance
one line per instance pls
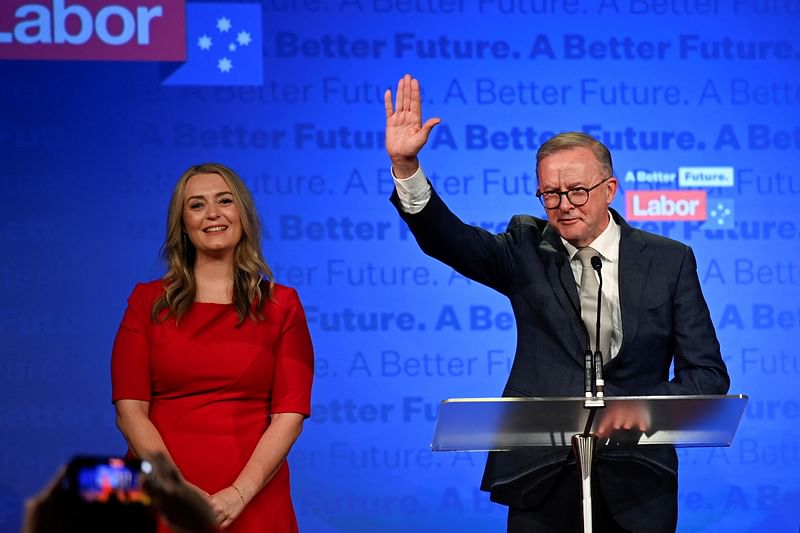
(212, 365)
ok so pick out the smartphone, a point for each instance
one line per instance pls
(106, 494)
(107, 479)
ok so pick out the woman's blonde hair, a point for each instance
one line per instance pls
(251, 274)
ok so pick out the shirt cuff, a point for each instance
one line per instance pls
(414, 191)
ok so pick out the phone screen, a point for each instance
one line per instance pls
(104, 480)
(105, 494)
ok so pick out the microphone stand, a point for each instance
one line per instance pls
(594, 384)
(584, 444)
(599, 382)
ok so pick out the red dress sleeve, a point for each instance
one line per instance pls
(294, 362)
(130, 358)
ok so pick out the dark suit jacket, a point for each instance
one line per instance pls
(664, 318)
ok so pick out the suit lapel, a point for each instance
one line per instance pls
(569, 300)
(633, 268)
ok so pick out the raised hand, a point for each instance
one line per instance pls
(405, 132)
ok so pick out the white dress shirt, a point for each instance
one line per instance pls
(607, 245)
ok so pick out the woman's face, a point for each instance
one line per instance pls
(210, 215)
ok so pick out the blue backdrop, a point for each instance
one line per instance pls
(289, 93)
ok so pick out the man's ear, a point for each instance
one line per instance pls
(611, 190)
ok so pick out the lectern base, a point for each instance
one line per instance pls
(583, 446)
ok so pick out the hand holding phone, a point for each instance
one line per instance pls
(120, 495)
(93, 494)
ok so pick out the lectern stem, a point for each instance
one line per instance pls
(583, 446)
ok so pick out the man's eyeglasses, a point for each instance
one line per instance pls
(577, 196)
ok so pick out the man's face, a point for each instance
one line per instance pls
(568, 169)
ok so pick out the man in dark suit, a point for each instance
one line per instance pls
(657, 316)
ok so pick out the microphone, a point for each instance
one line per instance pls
(600, 383)
(588, 361)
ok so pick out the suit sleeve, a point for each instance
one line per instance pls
(698, 364)
(294, 362)
(471, 251)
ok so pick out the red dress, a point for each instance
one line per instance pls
(212, 386)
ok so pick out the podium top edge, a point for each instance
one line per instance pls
(515, 399)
